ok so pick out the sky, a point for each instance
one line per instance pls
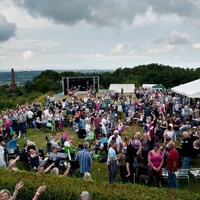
(98, 34)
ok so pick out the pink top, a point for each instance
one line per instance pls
(97, 107)
(7, 124)
(156, 160)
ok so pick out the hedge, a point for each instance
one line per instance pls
(60, 188)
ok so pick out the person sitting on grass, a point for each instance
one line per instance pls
(55, 142)
(55, 171)
(12, 164)
(41, 170)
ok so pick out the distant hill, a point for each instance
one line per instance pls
(20, 76)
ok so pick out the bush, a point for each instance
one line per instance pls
(71, 188)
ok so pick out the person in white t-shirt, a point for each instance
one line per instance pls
(87, 128)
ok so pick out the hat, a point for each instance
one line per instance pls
(171, 125)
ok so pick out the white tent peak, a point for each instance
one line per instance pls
(127, 88)
(190, 89)
(148, 86)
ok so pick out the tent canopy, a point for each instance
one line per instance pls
(158, 86)
(127, 88)
(148, 86)
(191, 89)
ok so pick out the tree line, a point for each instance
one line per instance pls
(153, 73)
(50, 81)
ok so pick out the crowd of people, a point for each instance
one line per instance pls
(169, 133)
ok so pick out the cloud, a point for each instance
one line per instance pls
(147, 18)
(176, 37)
(196, 46)
(119, 48)
(165, 49)
(27, 55)
(108, 12)
(97, 55)
(7, 29)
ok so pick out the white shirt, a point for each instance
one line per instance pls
(87, 128)
(103, 120)
(46, 113)
(29, 114)
(118, 140)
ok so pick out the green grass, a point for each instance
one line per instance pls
(98, 169)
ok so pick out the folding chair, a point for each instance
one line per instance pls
(164, 173)
(41, 152)
(183, 174)
(196, 173)
(12, 149)
(74, 168)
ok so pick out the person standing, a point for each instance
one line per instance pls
(172, 165)
(96, 125)
(176, 126)
(6, 127)
(85, 159)
(155, 162)
(21, 119)
(117, 139)
(186, 149)
(112, 162)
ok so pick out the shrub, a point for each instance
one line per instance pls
(71, 188)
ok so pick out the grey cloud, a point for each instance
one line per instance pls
(7, 29)
(176, 37)
(104, 12)
(96, 12)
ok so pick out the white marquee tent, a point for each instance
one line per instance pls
(148, 86)
(191, 89)
(128, 88)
